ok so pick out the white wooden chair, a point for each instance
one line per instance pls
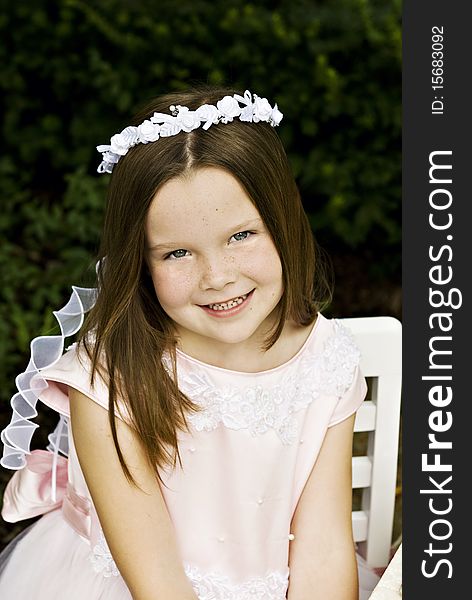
(379, 339)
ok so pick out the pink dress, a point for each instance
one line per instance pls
(245, 462)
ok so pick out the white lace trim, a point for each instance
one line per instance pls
(262, 408)
(102, 560)
(207, 586)
(215, 586)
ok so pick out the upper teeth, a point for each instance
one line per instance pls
(230, 304)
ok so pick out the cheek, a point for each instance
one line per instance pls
(264, 265)
(172, 287)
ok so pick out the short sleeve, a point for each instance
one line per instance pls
(351, 400)
(72, 370)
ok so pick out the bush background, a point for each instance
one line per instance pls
(73, 72)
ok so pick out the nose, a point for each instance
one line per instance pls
(217, 272)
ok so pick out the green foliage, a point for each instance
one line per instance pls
(73, 72)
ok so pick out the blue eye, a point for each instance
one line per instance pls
(180, 253)
(241, 235)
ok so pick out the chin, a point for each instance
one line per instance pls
(236, 338)
(239, 335)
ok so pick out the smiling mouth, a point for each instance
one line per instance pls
(228, 304)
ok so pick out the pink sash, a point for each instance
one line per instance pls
(30, 493)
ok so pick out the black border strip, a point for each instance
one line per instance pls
(437, 258)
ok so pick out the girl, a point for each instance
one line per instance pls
(208, 406)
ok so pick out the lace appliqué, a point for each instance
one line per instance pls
(207, 586)
(102, 560)
(214, 586)
(261, 408)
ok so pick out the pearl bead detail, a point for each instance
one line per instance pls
(221, 539)
(191, 449)
(302, 441)
(260, 501)
(291, 537)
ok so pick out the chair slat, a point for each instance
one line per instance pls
(365, 417)
(359, 525)
(361, 472)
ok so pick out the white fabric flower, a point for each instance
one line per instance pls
(120, 143)
(228, 108)
(262, 110)
(207, 113)
(148, 132)
(187, 119)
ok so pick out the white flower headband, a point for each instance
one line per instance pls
(255, 109)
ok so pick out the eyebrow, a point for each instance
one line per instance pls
(241, 227)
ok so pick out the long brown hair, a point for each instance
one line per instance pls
(129, 329)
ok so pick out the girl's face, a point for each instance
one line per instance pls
(215, 269)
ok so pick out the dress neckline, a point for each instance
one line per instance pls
(301, 350)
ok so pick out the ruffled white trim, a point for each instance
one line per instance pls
(45, 352)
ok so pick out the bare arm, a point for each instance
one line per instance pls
(136, 523)
(322, 557)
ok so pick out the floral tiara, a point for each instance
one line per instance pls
(254, 110)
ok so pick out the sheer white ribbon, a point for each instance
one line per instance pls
(45, 352)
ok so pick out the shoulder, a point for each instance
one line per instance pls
(333, 331)
(340, 373)
(73, 370)
(335, 353)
